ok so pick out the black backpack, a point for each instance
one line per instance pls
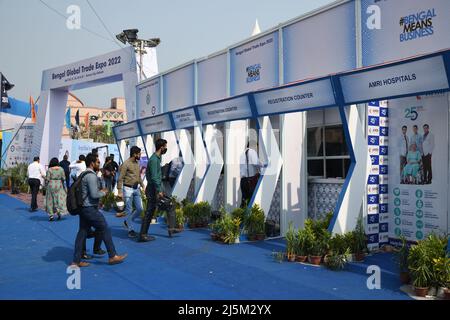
(165, 170)
(74, 197)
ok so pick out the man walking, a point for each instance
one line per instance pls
(115, 167)
(128, 188)
(90, 216)
(35, 174)
(154, 188)
(65, 164)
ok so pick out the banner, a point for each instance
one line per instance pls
(179, 88)
(254, 65)
(19, 150)
(418, 166)
(105, 68)
(212, 79)
(226, 110)
(397, 29)
(329, 35)
(148, 98)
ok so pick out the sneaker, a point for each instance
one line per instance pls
(51, 218)
(86, 256)
(132, 234)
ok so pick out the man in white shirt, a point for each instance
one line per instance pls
(35, 173)
(403, 145)
(250, 167)
(77, 167)
(417, 139)
(428, 146)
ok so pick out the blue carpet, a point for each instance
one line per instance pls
(35, 254)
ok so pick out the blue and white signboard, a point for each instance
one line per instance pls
(184, 118)
(254, 65)
(407, 78)
(148, 98)
(81, 74)
(321, 44)
(396, 29)
(126, 131)
(226, 110)
(295, 98)
(179, 88)
(212, 79)
(156, 124)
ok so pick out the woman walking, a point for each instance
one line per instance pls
(56, 190)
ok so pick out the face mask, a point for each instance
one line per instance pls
(163, 151)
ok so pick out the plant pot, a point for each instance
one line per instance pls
(421, 292)
(291, 257)
(404, 277)
(251, 237)
(301, 258)
(260, 236)
(447, 293)
(359, 257)
(315, 260)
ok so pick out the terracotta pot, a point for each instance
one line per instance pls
(301, 258)
(315, 260)
(447, 293)
(251, 237)
(421, 292)
(359, 257)
(291, 257)
(260, 237)
(404, 277)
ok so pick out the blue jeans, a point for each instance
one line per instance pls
(91, 217)
(131, 196)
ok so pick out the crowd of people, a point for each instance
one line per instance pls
(94, 183)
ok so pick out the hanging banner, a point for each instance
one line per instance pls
(295, 98)
(418, 166)
(179, 88)
(427, 74)
(156, 124)
(82, 73)
(212, 79)
(184, 118)
(329, 35)
(148, 98)
(127, 130)
(254, 65)
(393, 30)
(227, 110)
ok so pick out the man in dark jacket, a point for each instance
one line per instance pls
(65, 165)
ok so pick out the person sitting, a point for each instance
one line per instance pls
(412, 167)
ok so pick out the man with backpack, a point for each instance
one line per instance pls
(83, 198)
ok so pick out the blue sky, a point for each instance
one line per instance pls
(35, 38)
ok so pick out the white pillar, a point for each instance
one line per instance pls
(294, 188)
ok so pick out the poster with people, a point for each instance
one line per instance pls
(418, 166)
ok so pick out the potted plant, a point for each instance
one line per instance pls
(401, 256)
(203, 210)
(190, 213)
(317, 251)
(255, 223)
(359, 241)
(290, 243)
(420, 269)
(230, 229)
(442, 268)
(179, 218)
(303, 244)
(335, 260)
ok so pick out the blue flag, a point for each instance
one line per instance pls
(68, 125)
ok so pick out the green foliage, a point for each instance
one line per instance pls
(227, 228)
(359, 243)
(341, 243)
(18, 176)
(108, 201)
(290, 240)
(239, 213)
(401, 255)
(190, 212)
(179, 216)
(203, 212)
(336, 261)
(441, 267)
(426, 261)
(255, 222)
(304, 240)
